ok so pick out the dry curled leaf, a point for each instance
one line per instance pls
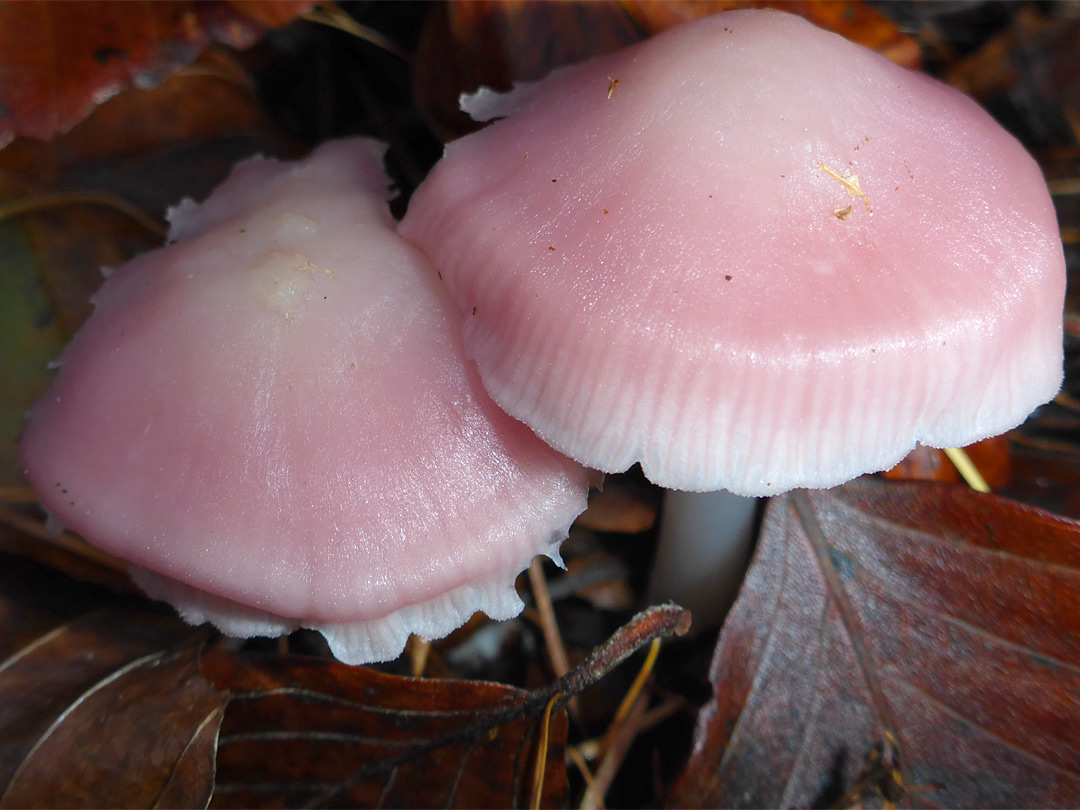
(101, 699)
(302, 732)
(912, 641)
(58, 60)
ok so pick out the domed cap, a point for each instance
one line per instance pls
(749, 255)
(274, 419)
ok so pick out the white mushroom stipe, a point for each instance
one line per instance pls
(705, 540)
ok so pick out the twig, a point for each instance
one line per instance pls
(631, 696)
(613, 757)
(65, 540)
(560, 663)
(1064, 187)
(419, 649)
(575, 756)
(329, 14)
(59, 199)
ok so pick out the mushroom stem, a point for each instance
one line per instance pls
(703, 550)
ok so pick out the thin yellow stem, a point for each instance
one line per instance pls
(541, 753)
(968, 471)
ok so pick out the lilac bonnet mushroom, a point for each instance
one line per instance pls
(273, 420)
(749, 255)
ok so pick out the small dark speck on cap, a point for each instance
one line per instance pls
(550, 247)
(728, 278)
(553, 180)
(474, 310)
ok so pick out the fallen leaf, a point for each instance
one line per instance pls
(101, 699)
(59, 60)
(307, 732)
(302, 732)
(914, 641)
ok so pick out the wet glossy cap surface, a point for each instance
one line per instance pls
(276, 410)
(750, 255)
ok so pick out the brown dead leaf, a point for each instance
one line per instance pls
(101, 700)
(304, 732)
(916, 641)
(60, 59)
(301, 732)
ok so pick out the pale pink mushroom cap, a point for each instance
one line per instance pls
(274, 419)
(750, 255)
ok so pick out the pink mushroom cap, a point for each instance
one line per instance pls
(749, 255)
(273, 419)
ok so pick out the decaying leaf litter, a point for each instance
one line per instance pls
(1020, 62)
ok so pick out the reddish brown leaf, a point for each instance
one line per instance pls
(299, 732)
(58, 60)
(304, 732)
(924, 624)
(101, 700)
